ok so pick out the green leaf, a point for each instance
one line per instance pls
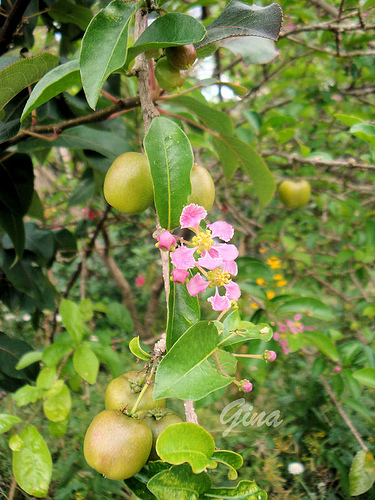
(46, 377)
(240, 19)
(57, 402)
(212, 118)
(119, 315)
(362, 473)
(348, 119)
(11, 351)
(193, 366)
(53, 83)
(32, 464)
(27, 394)
(57, 429)
(323, 343)
(36, 209)
(245, 489)
(112, 359)
(306, 305)
(186, 442)
(69, 12)
(231, 459)
(253, 166)
(23, 73)
(364, 131)
(365, 376)
(136, 349)
(8, 421)
(180, 483)
(244, 332)
(104, 47)
(228, 158)
(28, 359)
(86, 364)
(250, 268)
(72, 319)
(358, 407)
(171, 159)
(15, 442)
(253, 50)
(16, 182)
(55, 353)
(183, 312)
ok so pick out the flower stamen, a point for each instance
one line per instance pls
(203, 241)
(217, 277)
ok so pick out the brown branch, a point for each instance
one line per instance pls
(11, 23)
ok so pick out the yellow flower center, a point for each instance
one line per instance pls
(218, 277)
(203, 241)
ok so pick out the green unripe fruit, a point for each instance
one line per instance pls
(202, 187)
(181, 57)
(294, 194)
(124, 390)
(158, 420)
(168, 77)
(117, 445)
(128, 184)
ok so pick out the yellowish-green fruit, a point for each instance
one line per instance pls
(294, 194)
(117, 445)
(202, 187)
(168, 77)
(158, 420)
(128, 184)
(124, 390)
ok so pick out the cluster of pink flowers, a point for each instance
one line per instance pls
(214, 261)
(292, 327)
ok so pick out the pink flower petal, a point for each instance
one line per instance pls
(270, 356)
(183, 257)
(140, 281)
(226, 252)
(230, 267)
(246, 386)
(166, 241)
(196, 285)
(222, 230)
(289, 323)
(213, 253)
(233, 290)
(208, 262)
(276, 335)
(218, 302)
(283, 329)
(297, 317)
(192, 215)
(179, 275)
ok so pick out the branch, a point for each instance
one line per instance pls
(11, 23)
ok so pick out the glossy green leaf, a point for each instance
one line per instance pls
(65, 11)
(27, 394)
(228, 158)
(57, 402)
(244, 489)
(358, 407)
(186, 442)
(111, 358)
(32, 464)
(72, 319)
(241, 19)
(36, 208)
(104, 47)
(366, 376)
(16, 182)
(231, 459)
(244, 332)
(11, 351)
(22, 73)
(364, 131)
(86, 364)
(169, 30)
(171, 159)
(53, 83)
(362, 473)
(46, 377)
(57, 429)
(253, 50)
(119, 315)
(253, 166)
(180, 483)
(306, 305)
(28, 359)
(250, 268)
(212, 118)
(137, 350)
(348, 119)
(15, 442)
(323, 343)
(194, 367)
(183, 312)
(8, 421)
(55, 353)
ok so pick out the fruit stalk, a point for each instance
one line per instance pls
(144, 389)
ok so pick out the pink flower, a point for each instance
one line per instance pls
(290, 323)
(276, 336)
(297, 317)
(219, 302)
(227, 253)
(179, 275)
(283, 329)
(231, 268)
(337, 369)
(192, 215)
(284, 346)
(166, 241)
(246, 386)
(196, 285)
(183, 257)
(221, 229)
(233, 290)
(140, 281)
(270, 356)
(209, 262)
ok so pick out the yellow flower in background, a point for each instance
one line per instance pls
(260, 281)
(282, 283)
(274, 262)
(253, 305)
(278, 277)
(270, 295)
(262, 250)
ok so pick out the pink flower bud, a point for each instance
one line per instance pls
(166, 241)
(246, 386)
(270, 356)
(140, 281)
(179, 275)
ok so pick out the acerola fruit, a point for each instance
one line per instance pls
(128, 184)
(294, 194)
(202, 187)
(117, 445)
(124, 390)
(168, 77)
(181, 57)
(158, 420)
